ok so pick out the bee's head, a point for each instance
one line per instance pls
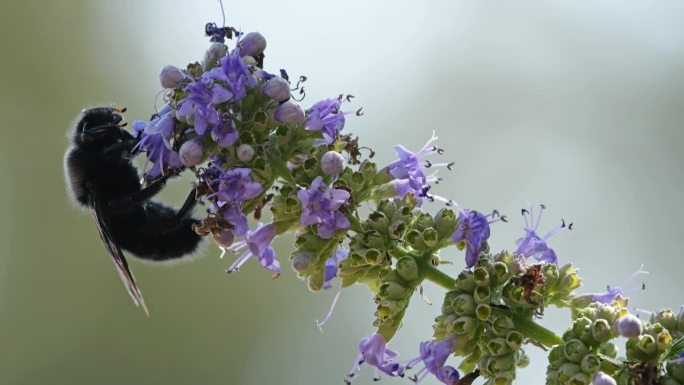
(99, 126)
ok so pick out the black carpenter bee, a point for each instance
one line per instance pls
(101, 178)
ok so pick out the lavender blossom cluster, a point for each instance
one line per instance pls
(253, 147)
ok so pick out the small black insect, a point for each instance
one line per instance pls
(100, 177)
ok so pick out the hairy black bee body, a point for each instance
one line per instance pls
(101, 178)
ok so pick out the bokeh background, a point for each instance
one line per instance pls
(576, 104)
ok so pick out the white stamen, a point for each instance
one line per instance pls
(330, 311)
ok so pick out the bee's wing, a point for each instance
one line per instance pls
(117, 255)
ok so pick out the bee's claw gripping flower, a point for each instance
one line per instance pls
(373, 351)
(409, 171)
(533, 245)
(257, 244)
(325, 116)
(433, 355)
(473, 228)
(321, 206)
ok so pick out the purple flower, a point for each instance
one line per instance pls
(373, 351)
(473, 228)
(257, 244)
(225, 133)
(601, 378)
(199, 107)
(234, 73)
(320, 205)
(331, 266)
(613, 292)
(325, 116)
(434, 355)
(532, 245)
(409, 171)
(155, 142)
(228, 190)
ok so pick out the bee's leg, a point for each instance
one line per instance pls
(118, 150)
(190, 203)
(151, 189)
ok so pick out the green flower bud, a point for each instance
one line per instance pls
(581, 326)
(498, 347)
(465, 325)
(502, 326)
(415, 239)
(482, 295)
(407, 268)
(575, 350)
(393, 291)
(514, 339)
(483, 312)
(607, 312)
(664, 340)
(646, 344)
(590, 364)
(500, 364)
(609, 350)
(567, 371)
(465, 281)
(581, 301)
(557, 356)
(500, 272)
(481, 276)
(464, 304)
(666, 318)
(430, 237)
(373, 256)
(601, 330)
(503, 379)
(579, 379)
(569, 282)
(445, 223)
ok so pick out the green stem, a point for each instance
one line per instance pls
(534, 331)
(523, 323)
(435, 275)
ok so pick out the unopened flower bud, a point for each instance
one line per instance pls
(215, 52)
(498, 347)
(332, 163)
(556, 356)
(609, 349)
(302, 260)
(430, 237)
(590, 364)
(465, 325)
(277, 89)
(628, 326)
(289, 112)
(171, 77)
(647, 344)
(465, 281)
(224, 238)
(192, 152)
(245, 152)
(464, 304)
(515, 339)
(483, 312)
(482, 295)
(601, 378)
(663, 340)
(600, 330)
(252, 44)
(666, 318)
(567, 370)
(575, 350)
(481, 276)
(407, 268)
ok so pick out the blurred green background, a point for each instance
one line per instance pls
(578, 105)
